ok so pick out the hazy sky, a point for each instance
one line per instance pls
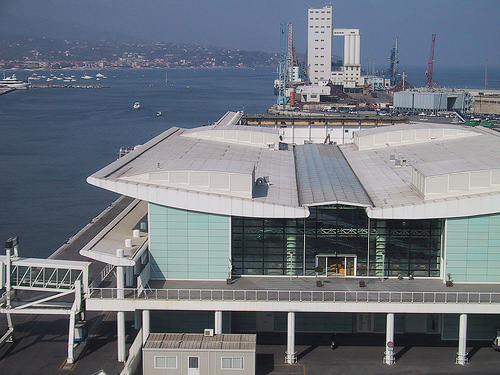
(467, 30)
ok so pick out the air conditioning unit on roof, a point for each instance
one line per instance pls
(208, 332)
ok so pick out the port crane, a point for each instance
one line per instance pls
(282, 68)
(430, 64)
(288, 59)
(393, 68)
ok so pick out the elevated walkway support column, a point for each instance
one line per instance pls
(137, 319)
(389, 340)
(120, 315)
(462, 341)
(291, 354)
(145, 326)
(218, 323)
(8, 292)
(72, 321)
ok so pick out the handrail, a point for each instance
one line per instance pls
(305, 296)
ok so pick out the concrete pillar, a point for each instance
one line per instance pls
(129, 276)
(120, 315)
(120, 321)
(145, 325)
(120, 276)
(462, 341)
(389, 340)
(218, 323)
(137, 319)
(71, 338)
(290, 354)
(8, 277)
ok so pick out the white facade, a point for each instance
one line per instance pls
(319, 44)
(350, 73)
(319, 51)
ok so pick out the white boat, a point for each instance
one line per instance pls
(137, 105)
(13, 83)
(100, 75)
(86, 76)
(158, 114)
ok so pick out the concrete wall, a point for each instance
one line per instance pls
(187, 244)
(297, 134)
(473, 249)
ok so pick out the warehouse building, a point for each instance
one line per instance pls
(432, 101)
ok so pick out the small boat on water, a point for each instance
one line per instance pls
(158, 114)
(86, 76)
(137, 105)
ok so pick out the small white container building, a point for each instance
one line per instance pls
(199, 354)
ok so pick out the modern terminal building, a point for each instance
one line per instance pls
(234, 231)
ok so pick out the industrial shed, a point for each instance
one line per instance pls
(199, 354)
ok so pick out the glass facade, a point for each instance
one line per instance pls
(407, 247)
(267, 246)
(335, 238)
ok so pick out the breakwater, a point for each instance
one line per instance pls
(69, 86)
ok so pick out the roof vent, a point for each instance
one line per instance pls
(262, 180)
(208, 332)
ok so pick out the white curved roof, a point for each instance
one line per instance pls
(411, 171)
(428, 170)
(210, 169)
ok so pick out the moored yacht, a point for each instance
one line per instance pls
(13, 83)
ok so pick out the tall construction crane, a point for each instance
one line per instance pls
(282, 68)
(430, 64)
(289, 55)
(393, 68)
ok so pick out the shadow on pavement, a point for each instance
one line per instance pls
(264, 364)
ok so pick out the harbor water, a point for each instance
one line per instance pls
(54, 138)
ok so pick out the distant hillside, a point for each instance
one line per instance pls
(41, 52)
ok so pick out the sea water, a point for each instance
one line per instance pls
(54, 138)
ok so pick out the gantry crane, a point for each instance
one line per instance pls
(430, 64)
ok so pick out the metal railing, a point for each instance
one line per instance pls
(299, 296)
